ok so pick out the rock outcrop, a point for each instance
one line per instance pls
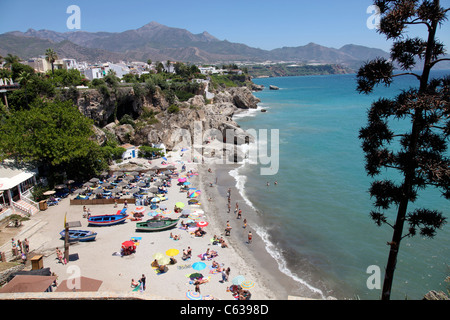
(194, 119)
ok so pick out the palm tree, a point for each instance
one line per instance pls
(51, 56)
(10, 60)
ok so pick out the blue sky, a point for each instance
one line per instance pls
(258, 23)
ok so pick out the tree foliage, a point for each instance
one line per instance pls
(421, 157)
(52, 134)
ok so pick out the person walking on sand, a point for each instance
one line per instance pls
(250, 237)
(143, 282)
(245, 223)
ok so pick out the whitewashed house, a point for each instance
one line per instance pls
(131, 152)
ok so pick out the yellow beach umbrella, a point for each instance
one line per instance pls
(179, 205)
(172, 252)
(161, 258)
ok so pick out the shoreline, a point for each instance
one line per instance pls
(254, 254)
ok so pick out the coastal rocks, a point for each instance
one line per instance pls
(95, 106)
(241, 97)
(99, 136)
(257, 87)
(124, 133)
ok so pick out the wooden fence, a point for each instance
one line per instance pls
(90, 202)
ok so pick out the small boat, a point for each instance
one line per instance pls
(108, 219)
(79, 235)
(271, 87)
(156, 224)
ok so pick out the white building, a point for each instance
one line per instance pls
(131, 152)
(39, 64)
(93, 73)
(120, 69)
(16, 183)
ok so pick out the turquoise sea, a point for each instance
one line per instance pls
(315, 221)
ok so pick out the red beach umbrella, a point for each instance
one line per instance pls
(128, 243)
(202, 224)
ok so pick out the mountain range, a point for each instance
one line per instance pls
(159, 43)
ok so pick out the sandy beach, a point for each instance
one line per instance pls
(100, 259)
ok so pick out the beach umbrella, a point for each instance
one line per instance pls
(192, 295)
(153, 213)
(88, 184)
(172, 252)
(60, 186)
(94, 180)
(238, 280)
(161, 258)
(179, 205)
(78, 191)
(49, 193)
(185, 212)
(194, 215)
(155, 200)
(202, 224)
(163, 207)
(139, 209)
(182, 179)
(247, 284)
(128, 243)
(184, 149)
(186, 183)
(134, 173)
(97, 191)
(194, 194)
(141, 184)
(195, 275)
(199, 266)
(134, 190)
(116, 190)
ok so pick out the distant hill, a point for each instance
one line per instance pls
(158, 42)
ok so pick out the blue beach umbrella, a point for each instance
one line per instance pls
(199, 266)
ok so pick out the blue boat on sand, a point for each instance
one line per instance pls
(108, 219)
(79, 235)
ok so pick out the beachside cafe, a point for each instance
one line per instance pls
(16, 182)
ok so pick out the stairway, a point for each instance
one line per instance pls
(24, 208)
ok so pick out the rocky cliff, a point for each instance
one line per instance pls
(212, 118)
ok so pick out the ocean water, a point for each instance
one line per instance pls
(315, 221)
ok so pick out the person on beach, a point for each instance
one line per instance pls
(134, 283)
(250, 237)
(245, 223)
(229, 207)
(239, 215)
(224, 276)
(143, 282)
(26, 245)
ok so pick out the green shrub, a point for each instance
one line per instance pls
(173, 109)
